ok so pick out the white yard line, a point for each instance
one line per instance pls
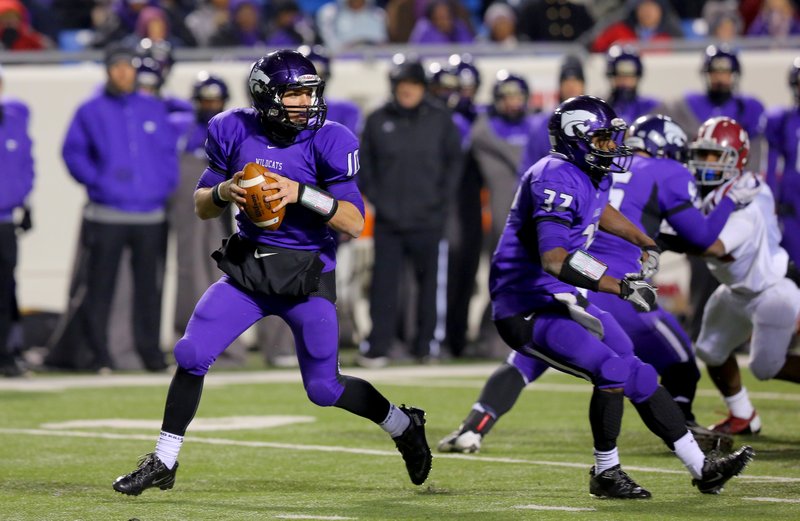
(350, 450)
(562, 509)
(309, 516)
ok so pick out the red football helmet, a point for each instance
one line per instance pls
(722, 137)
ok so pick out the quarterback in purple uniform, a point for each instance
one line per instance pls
(542, 260)
(783, 132)
(287, 272)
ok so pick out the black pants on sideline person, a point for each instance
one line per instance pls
(423, 249)
(8, 263)
(104, 244)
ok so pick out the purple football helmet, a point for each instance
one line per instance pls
(463, 67)
(153, 63)
(209, 86)
(443, 84)
(659, 136)
(721, 58)
(582, 130)
(280, 71)
(319, 57)
(623, 61)
(508, 84)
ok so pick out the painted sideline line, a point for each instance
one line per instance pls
(771, 499)
(309, 516)
(365, 452)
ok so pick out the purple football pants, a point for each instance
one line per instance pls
(656, 337)
(225, 311)
(561, 342)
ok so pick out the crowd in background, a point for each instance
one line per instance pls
(472, 156)
(343, 24)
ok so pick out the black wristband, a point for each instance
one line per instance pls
(219, 201)
(318, 201)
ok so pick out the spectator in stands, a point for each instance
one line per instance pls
(500, 23)
(553, 20)
(723, 20)
(121, 147)
(16, 33)
(207, 20)
(153, 23)
(776, 19)
(244, 27)
(643, 21)
(288, 27)
(17, 180)
(440, 25)
(345, 23)
(121, 22)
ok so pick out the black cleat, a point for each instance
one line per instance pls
(710, 441)
(151, 473)
(614, 483)
(414, 447)
(717, 471)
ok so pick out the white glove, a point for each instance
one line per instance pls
(649, 265)
(742, 189)
(639, 293)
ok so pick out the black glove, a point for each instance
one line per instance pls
(639, 293)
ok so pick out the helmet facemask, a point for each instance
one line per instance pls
(715, 171)
(604, 151)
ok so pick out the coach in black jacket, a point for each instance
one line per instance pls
(410, 166)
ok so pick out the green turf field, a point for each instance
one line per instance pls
(327, 464)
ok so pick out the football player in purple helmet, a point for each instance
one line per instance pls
(288, 272)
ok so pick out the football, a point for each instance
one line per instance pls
(255, 176)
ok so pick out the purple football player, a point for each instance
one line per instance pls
(287, 272)
(657, 187)
(540, 262)
(783, 130)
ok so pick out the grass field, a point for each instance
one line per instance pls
(327, 464)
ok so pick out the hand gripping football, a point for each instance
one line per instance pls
(255, 176)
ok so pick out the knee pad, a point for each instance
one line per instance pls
(710, 356)
(324, 393)
(187, 357)
(642, 382)
(613, 373)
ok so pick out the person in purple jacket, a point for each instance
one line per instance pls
(624, 71)
(783, 129)
(562, 202)
(287, 272)
(657, 188)
(17, 180)
(440, 25)
(121, 147)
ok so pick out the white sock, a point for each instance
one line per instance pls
(689, 453)
(605, 460)
(396, 422)
(167, 448)
(739, 404)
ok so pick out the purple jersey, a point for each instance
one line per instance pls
(556, 205)
(639, 106)
(655, 190)
(746, 110)
(783, 135)
(327, 158)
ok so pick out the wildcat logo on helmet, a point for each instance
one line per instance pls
(258, 81)
(573, 120)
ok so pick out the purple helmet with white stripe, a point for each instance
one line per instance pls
(659, 136)
(587, 132)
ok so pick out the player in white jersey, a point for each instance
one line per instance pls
(755, 299)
